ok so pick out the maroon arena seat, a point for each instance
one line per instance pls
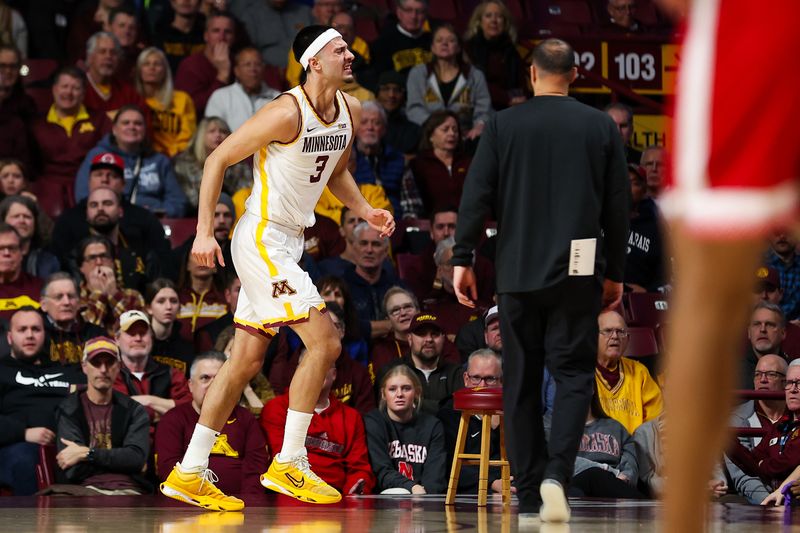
(646, 309)
(179, 229)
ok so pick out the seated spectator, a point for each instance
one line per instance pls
(149, 178)
(162, 304)
(17, 287)
(447, 82)
(491, 47)
(401, 307)
(644, 264)
(239, 454)
(102, 435)
(31, 387)
(768, 289)
(778, 453)
(13, 179)
(205, 71)
(141, 229)
(766, 333)
(406, 445)
(103, 214)
(400, 132)
(377, 163)
(87, 19)
(335, 290)
(442, 301)
(206, 337)
(17, 108)
(369, 280)
(14, 29)
(65, 330)
(770, 375)
(439, 377)
(626, 391)
(620, 17)
(649, 439)
(272, 25)
(336, 443)
(407, 42)
(172, 111)
(784, 258)
(156, 386)
(606, 464)
(22, 213)
(654, 161)
(66, 134)
(181, 35)
(211, 131)
(122, 24)
(200, 295)
(622, 115)
(352, 385)
(107, 93)
(239, 101)
(441, 167)
(484, 332)
(336, 266)
(484, 369)
(104, 295)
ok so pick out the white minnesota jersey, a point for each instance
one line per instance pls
(289, 178)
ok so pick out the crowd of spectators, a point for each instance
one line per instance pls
(111, 334)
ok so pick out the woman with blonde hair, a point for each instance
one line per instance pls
(210, 133)
(173, 115)
(491, 46)
(406, 446)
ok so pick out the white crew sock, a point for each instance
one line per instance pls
(294, 435)
(196, 457)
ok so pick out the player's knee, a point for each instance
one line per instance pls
(331, 348)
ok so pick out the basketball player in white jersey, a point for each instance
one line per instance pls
(301, 142)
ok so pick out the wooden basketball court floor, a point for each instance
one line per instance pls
(393, 514)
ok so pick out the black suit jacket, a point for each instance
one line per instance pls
(554, 170)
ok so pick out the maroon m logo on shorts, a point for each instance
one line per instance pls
(282, 287)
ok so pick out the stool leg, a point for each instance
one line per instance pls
(483, 476)
(455, 470)
(505, 470)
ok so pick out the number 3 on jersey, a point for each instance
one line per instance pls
(321, 162)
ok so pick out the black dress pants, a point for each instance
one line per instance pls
(556, 327)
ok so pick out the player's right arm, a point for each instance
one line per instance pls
(277, 121)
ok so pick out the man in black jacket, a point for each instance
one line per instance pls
(31, 387)
(554, 171)
(103, 436)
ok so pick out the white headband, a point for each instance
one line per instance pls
(318, 44)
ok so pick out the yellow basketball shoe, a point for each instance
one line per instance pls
(199, 489)
(296, 479)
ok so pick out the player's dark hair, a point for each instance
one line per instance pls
(305, 37)
(554, 56)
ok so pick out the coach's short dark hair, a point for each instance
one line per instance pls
(305, 37)
(554, 56)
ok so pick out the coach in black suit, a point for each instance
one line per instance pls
(554, 171)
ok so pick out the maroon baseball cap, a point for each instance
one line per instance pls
(768, 276)
(98, 346)
(108, 160)
(422, 320)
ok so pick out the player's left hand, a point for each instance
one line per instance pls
(381, 220)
